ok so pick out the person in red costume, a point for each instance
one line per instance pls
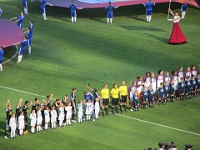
(177, 36)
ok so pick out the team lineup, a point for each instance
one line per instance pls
(144, 92)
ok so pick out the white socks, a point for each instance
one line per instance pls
(88, 118)
(60, 123)
(80, 120)
(46, 126)
(183, 14)
(12, 134)
(53, 125)
(44, 16)
(32, 129)
(29, 50)
(26, 11)
(73, 19)
(19, 58)
(148, 17)
(20, 132)
(96, 116)
(68, 122)
(109, 20)
(1, 67)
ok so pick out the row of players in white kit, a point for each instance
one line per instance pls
(52, 115)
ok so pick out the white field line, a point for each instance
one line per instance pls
(12, 56)
(148, 122)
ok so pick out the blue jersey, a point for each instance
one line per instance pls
(109, 9)
(24, 3)
(73, 8)
(160, 92)
(42, 4)
(23, 43)
(150, 94)
(31, 26)
(89, 96)
(193, 83)
(29, 34)
(171, 88)
(181, 87)
(1, 11)
(149, 6)
(1, 55)
(166, 90)
(20, 22)
(135, 98)
(187, 86)
(184, 7)
(144, 95)
(198, 83)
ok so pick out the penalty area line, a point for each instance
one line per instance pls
(148, 122)
(160, 125)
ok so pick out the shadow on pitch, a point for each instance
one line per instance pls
(164, 40)
(136, 18)
(98, 20)
(141, 28)
(2, 127)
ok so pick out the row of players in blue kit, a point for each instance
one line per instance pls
(73, 7)
(178, 86)
(60, 112)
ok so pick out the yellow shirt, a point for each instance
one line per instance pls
(123, 90)
(115, 93)
(105, 93)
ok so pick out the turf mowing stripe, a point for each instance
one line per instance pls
(164, 126)
(12, 56)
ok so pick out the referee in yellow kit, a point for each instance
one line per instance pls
(106, 98)
(123, 91)
(115, 98)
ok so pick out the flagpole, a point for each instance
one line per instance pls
(169, 8)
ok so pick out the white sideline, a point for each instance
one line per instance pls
(12, 56)
(164, 126)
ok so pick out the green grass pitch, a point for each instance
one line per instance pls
(65, 55)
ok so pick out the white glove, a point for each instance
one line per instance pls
(170, 19)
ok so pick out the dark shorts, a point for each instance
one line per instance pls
(124, 99)
(105, 101)
(115, 101)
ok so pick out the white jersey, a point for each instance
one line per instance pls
(33, 119)
(46, 116)
(139, 86)
(80, 110)
(69, 112)
(194, 72)
(147, 82)
(133, 88)
(177, 19)
(39, 117)
(21, 123)
(175, 78)
(188, 74)
(153, 83)
(61, 113)
(180, 75)
(13, 123)
(167, 79)
(88, 108)
(96, 107)
(53, 115)
(159, 79)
